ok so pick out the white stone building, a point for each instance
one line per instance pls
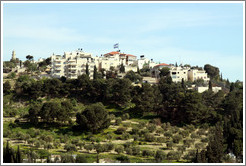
(179, 73)
(195, 74)
(115, 59)
(72, 64)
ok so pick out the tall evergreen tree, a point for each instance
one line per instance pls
(87, 70)
(18, 155)
(95, 73)
(215, 148)
(122, 68)
(210, 86)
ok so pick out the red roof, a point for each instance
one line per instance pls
(162, 64)
(130, 55)
(114, 52)
(122, 54)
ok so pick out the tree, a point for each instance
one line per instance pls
(122, 68)
(210, 85)
(159, 156)
(88, 147)
(144, 98)
(94, 118)
(123, 159)
(29, 57)
(133, 76)
(87, 70)
(34, 113)
(212, 71)
(165, 71)
(95, 72)
(119, 149)
(215, 146)
(70, 148)
(81, 159)
(6, 88)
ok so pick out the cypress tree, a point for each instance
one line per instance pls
(18, 155)
(95, 73)
(87, 70)
(183, 84)
(232, 87)
(122, 68)
(210, 85)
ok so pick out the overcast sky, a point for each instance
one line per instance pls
(189, 33)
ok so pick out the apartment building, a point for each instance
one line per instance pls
(179, 73)
(195, 74)
(115, 59)
(144, 61)
(72, 64)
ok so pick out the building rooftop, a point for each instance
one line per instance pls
(162, 64)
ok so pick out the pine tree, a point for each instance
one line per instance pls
(221, 78)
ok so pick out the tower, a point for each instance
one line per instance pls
(13, 55)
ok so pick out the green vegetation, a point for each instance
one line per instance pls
(108, 120)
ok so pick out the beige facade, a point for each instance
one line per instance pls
(179, 73)
(195, 74)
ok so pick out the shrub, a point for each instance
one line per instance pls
(111, 116)
(120, 130)
(159, 156)
(70, 147)
(81, 159)
(194, 136)
(169, 145)
(128, 150)
(198, 145)
(176, 139)
(184, 133)
(134, 130)
(109, 147)
(204, 139)
(159, 131)
(168, 134)
(149, 137)
(143, 132)
(118, 121)
(123, 159)
(151, 127)
(119, 149)
(161, 139)
(188, 142)
(141, 125)
(201, 132)
(88, 147)
(126, 125)
(125, 116)
(156, 121)
(125, 136)
(135, 137)
(135, 150)
(147, 153)
(127, 144)
(173, 155)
